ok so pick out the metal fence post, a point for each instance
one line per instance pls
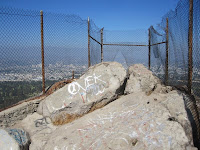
(89, 42)
(42, 53)
(167, 52)
(190, 46)
(149, 49)
(102, 44)
(73, 74)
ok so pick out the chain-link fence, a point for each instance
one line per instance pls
(95, 43)
(157, 43)
(72, 44)
(183, 23)
(177, 60)
(69, 44)
(196, 49)
(65, 41)
(127, 47)
(20, 55)
(178, 43)
(65, 46)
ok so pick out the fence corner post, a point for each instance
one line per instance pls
(102, 44)
(149, 62)
(190, 47)
(42, 52)
(167, 52)
(89, 42)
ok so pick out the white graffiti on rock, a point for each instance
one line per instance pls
(93, 86)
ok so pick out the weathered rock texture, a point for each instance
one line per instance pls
(135, 121)
(193, 115)
(150, 116)
(39, 129)
(145, 81)
(14, 139)
(141, 79)
(7, 142)
(13, 115)
(97, 87)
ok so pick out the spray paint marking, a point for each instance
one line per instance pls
(93, 86)
(82, 98)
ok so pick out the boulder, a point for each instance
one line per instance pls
(135, 121)
(14, 139)
(141, 79)
(150, 116)
(100, 85)
(175, 104)
(39, 129)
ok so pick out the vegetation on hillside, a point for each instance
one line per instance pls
(12, 92)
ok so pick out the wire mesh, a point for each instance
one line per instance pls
(66, 49)
(138, 36)
(180, 29)
(178, 45)
(196, 49)
(95, 47)
(20, 55)
(65, 46)
(126, 55)
(158, 52)
(122, 47)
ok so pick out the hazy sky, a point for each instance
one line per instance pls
(111, 14)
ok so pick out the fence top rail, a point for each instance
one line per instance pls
(124, 44)
(158, 43)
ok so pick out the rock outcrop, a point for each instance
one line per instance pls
(135, 121)
(39, 129)
(136, 111)
(141, 79)
(97, 87)
(11, 116)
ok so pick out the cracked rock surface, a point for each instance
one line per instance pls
(39, 129)
(97, 87)
(135, 121)
(141, 79)
(150, 115)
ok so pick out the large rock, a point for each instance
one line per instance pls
(97, 87)
(151, 116)
(14, 139)
(135, 121)
(141, 79)
(39, 129)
